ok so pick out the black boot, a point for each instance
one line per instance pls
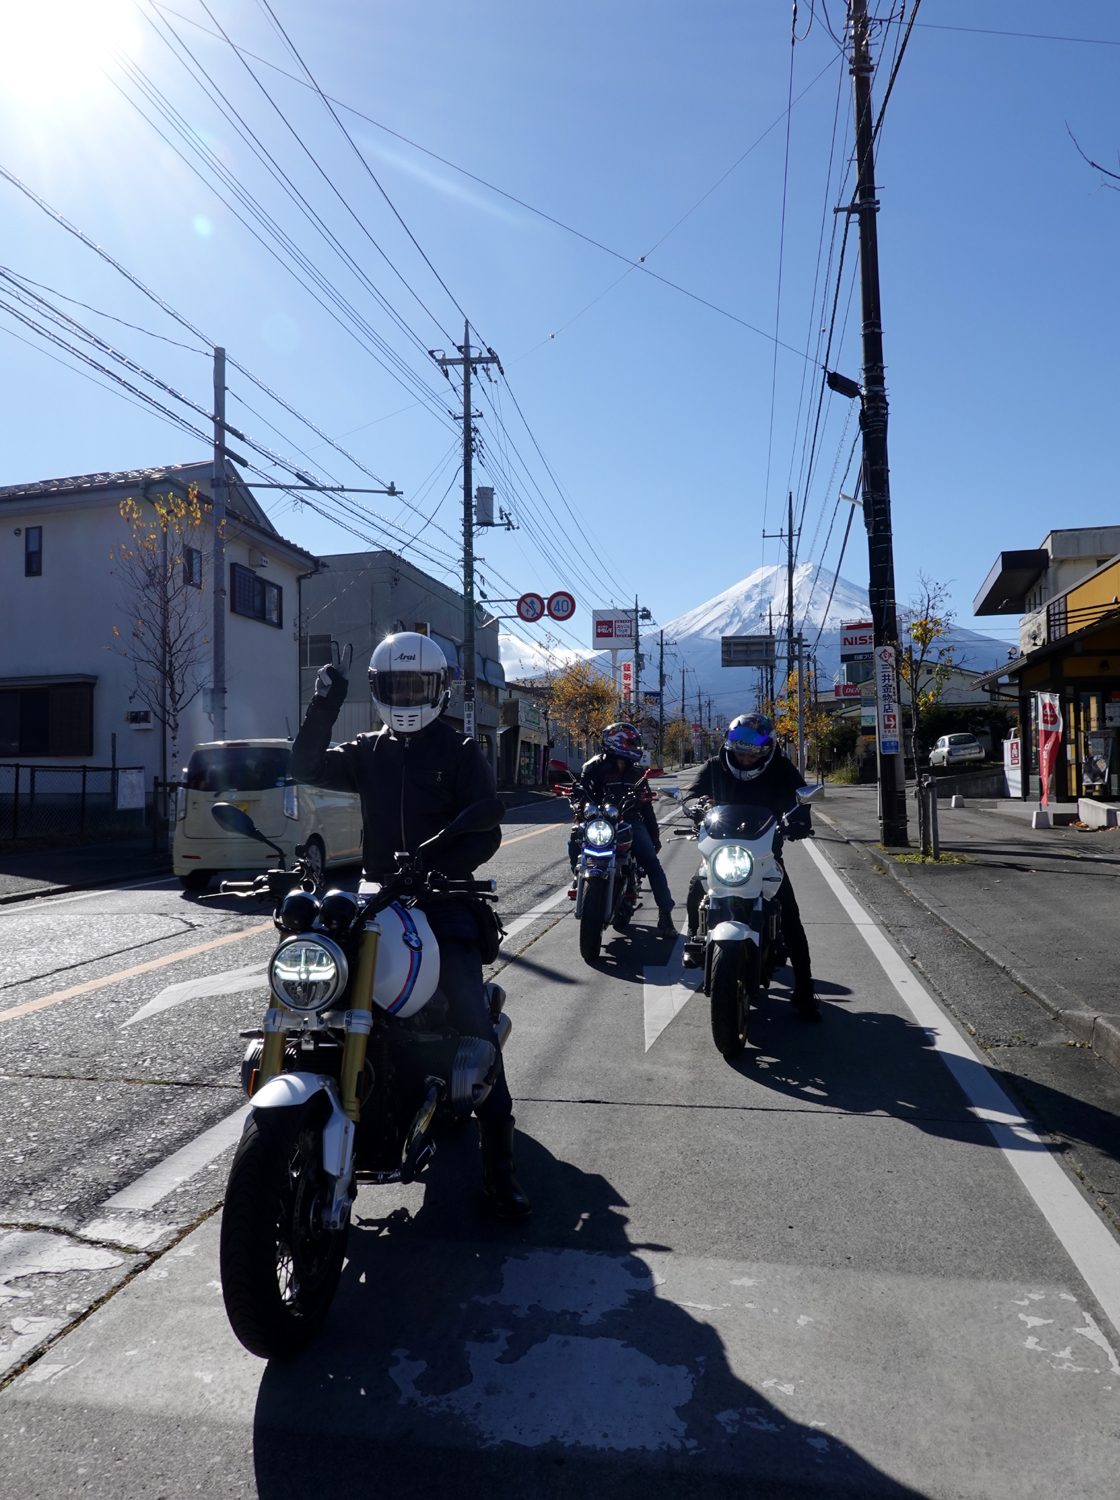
(500, 1188)
(804, 1001)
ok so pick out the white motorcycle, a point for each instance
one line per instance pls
(355, 1064)
(740, 917)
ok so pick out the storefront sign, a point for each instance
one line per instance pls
(1049, 738)
(1013, 767)
(857, 639)
(611, 625)
(1096, 767)
(886, 681)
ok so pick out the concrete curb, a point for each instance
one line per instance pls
(1101, 1033)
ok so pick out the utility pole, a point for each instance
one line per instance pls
(788, 536)
(661, 698)
(218, 498)
(873, 423)
(469, 363)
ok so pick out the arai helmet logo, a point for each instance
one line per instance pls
(405, 656)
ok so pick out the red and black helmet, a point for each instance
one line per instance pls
(624, 741)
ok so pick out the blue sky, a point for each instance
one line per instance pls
(670, 426)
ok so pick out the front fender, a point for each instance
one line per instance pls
(733, 932)
(313, 1092)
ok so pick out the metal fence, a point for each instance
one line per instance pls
(76, 802)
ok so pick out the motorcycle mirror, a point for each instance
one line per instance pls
(806, 794)
(232, 820)
(479, 817)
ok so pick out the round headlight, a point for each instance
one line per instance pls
(732, 864)
(599, 833)
(308, 973)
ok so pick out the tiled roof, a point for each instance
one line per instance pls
(88, 483)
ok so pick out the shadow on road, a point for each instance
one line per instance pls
(535, 1362)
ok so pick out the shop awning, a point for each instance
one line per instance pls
(1012, 577)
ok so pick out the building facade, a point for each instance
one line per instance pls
(83, 680)
(358, 598)
(1067, 595)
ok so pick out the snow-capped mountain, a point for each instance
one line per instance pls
(822, 602)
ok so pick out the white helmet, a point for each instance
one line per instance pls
(410, 681)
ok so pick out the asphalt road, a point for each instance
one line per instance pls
(847, 1265)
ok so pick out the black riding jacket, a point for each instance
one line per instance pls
(603, 772)
(411, 787)
(775, 788)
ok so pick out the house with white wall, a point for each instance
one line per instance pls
(74, 687)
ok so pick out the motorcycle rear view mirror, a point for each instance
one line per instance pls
(232, 820)
(479, 817)
(807, 794)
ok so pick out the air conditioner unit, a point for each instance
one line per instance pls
(139, 718)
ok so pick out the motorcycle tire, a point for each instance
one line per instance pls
(731, 990)
(593, 918)
(279, 1268)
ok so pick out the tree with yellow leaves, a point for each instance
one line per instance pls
(161, 571)
(927, 658)
(581, 700)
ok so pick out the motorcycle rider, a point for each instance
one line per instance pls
(617, 766)
(751, 769)
(413, 776)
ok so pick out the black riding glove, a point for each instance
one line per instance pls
(333, 682)
(798, 826)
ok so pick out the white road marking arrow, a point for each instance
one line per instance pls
(226, 983)
(665, 992)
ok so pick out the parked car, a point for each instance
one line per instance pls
(956, 749)
(255, 775)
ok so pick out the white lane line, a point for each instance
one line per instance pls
(178, 1168)
(521, 922)
(11, 908)
(1085, 1237)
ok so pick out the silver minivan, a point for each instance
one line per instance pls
(255, 775)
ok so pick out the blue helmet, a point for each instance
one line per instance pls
(750, 732)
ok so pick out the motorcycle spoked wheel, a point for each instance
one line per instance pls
(279, 1267)
(733, 988)
(593, 918)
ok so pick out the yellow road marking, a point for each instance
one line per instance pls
(547, 828)
(145, 968)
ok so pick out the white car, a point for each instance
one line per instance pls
(956, 749)
(255, 775)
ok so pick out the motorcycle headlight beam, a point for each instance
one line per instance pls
(732, 864)
(599, 833)
(308, 973)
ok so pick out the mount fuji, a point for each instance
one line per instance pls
(822, 603)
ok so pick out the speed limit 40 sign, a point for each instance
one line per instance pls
(561, 605)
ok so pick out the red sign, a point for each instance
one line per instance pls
(561, 605)
(846, 690)
(530, 608)
(1049, 738)
(627, 678)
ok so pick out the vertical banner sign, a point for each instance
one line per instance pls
(890, 739)
(468, 718)
(1049, 738)
(628, 680)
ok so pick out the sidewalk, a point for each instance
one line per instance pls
(42, 872)
(1040, 903)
